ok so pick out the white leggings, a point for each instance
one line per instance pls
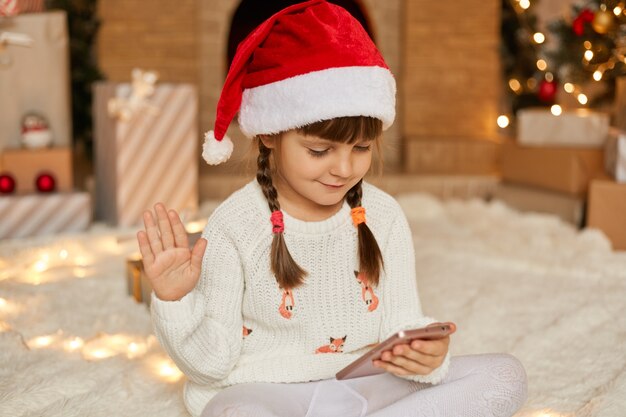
(475, 386)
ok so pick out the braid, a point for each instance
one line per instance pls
(353, 197)
(264, 177)
(287, 272)
(370, 257)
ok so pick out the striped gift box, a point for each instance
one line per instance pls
(44, 214)
(14, 7)
(150, 158)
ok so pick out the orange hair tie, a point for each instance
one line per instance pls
(358, 215)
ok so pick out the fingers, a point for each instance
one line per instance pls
(180, 234)
(403, 354)
(197, 253)
(152, 231)
(419, 357)
(415, 361)
(429, 347)
(144, 247)
(167, 235)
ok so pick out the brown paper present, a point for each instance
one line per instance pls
(607, 210)
(37, 79)
(565, 169)
(536, 200)
(25, 164)
(615, 155)
(15, 7)
(137, 283)
(44, 214)
(150, 158)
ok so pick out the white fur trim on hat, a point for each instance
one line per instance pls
(319, 95)
(216, 151)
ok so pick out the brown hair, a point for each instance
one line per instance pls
(343, 130)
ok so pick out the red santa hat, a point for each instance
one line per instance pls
(309, 62)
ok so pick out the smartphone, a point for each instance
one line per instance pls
(364, 365)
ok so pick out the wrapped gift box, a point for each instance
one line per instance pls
(37, 78)
(579, 128)
(137, 283)
(564, 169)
(14, 7)
(615, 155)
(607, 210)
(44, 214)
(152, 157)
(529, 199)
(25, 164)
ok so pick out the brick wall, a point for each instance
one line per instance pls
(451, 86)
(156, 35)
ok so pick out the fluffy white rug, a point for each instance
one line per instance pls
(72, 343)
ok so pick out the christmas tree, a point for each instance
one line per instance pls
(83, 27)
(525, 82)
(586, 53)
(590, 47)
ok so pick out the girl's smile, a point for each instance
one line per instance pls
(334, 187)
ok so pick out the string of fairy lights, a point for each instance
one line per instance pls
(66, 261)
(595, 19)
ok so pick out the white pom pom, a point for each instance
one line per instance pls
(216, 151)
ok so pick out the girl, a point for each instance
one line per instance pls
(293, 279)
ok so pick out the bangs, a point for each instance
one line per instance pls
(345, 129)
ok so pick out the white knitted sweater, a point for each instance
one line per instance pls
(238, 326)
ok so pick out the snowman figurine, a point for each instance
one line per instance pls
(35, 131)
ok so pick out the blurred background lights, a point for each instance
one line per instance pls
(542, 64)
(73, 344)
(167, 370)
(503, 121)
(40, 266)
(41, 341)
(515, 85)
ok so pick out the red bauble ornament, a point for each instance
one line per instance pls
(45, 182)
(547, 91)
(7, 183)
(578, 25)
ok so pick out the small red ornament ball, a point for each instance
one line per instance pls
(585, 16)
(45, 182)
(547, 91)
(7, 183)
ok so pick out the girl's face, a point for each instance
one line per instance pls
(314, 174)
